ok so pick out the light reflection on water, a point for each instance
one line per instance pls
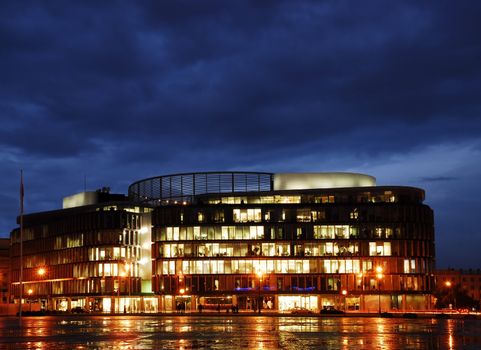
(237, 332)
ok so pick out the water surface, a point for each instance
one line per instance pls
(236, 332)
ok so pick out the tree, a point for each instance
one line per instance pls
(455, 295)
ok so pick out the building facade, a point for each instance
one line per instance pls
(467, 280)
(92, 255)
(287, 241)
(223, 239)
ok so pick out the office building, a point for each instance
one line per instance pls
(92, 255)
(223, 239)
(286, 241)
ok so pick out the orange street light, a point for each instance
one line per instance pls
(120, 275)
(259, 301)
(41, 272)
(379, 271)
(344, 294)
(449, 284)
(30, 292)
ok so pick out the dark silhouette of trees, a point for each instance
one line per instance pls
(453, 295)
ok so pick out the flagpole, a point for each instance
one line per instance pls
(21, 245)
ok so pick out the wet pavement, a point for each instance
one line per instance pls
(234, 332)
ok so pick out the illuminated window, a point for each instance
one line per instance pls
(380, 248)
(388, 232)
(247, 215)
(219, 216)
(327, 266)
(409, 266)
(354, 215)
(225, 232)
(318, 215)
(327, 199)
(353, 232)
(197, 232)
(387, 248)
(107, 269)
(367, 265)
(303, 215)
(189, 233)
(349, 268)
(342, 231)
(256, 232)
(331, 231)
(300, 233)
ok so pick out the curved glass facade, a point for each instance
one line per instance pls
(184, 187)
(355, 248)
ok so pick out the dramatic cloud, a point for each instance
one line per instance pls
(113, 92)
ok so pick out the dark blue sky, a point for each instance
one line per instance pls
(119, 91)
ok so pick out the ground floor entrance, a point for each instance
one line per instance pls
(369, 303)
(132, 304)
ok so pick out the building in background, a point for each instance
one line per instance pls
(287, 241)
(457, 284)
(223, 239)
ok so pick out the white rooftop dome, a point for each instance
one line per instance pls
(303, 181)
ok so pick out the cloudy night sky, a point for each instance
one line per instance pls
(119, 91)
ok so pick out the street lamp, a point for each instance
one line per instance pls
(127, 269)
(127, 275)
(121, 274)
(30, 292)
(449, 284)
(344, 294)
(181, 305)
(360, 277)
(41, 273)
(259, 301)
(379, 276)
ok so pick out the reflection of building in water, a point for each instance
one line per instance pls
(279, 241)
